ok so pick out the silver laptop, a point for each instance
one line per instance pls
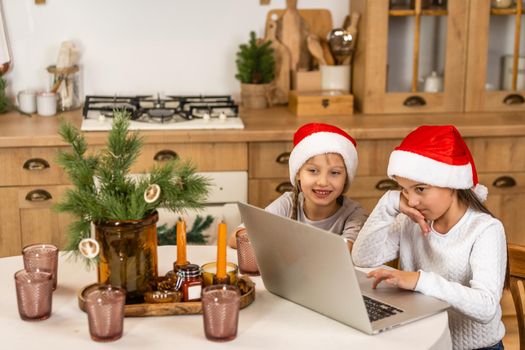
(313, 268)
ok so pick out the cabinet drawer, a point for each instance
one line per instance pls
(270, 159)
(498, 154)
(30, 166)
(205, 156)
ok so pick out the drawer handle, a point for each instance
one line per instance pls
(387, 185)
(415, 101)
(36, 164)
(283, 158)
(165, 155)
(284, 187)
(513, 99)
(504, 182)
(38, 196)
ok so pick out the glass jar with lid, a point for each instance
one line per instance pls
(189, 281)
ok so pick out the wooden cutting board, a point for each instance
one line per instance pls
(292, 31)
(319, 20)
(282, 66)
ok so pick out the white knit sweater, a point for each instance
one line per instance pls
(464, 267)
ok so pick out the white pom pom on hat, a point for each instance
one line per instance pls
(437, 156)
(317, 138)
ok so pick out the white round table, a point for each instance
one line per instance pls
(270, 322)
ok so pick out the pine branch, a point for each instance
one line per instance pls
(255, 62)
(103, 190)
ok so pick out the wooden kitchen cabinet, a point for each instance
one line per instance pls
(31, 183)
(499, 162)
(399, 47)
(496, 63)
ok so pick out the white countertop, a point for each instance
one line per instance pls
(270, 322)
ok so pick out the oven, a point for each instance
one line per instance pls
(228, 188)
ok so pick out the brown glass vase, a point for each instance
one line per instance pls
(128, 255)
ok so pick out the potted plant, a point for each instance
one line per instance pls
(255, 70)
(122, 208)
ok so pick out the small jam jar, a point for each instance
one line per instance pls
(190, 282)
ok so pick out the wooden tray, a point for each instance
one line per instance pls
(246, 286)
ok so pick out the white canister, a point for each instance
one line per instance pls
(433, 83)
(506, 74)
(335, 77)
(27, 101)
(46, 104)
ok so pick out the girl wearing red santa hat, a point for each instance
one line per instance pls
(448, 243)
(322, 166)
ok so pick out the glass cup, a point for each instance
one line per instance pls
(41, 257)
(34, 291)
(105, 310)
(220, 309)
(209, 270)
(246, 255)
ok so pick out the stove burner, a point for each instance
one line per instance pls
(161, 110)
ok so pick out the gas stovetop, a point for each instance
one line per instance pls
(160, 113)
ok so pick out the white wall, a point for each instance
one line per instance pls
(140, 46)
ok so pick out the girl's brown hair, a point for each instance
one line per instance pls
(469, 198)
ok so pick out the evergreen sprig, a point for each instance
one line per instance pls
(255, 62)
(4, 100)
(103, 189)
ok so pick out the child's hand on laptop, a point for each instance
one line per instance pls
(396, 278)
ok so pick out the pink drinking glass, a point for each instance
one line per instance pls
(245, 255)
(105, 311)
(41, 257)
(34, 291)
(220, 308)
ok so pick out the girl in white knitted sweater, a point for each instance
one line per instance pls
(448, 244)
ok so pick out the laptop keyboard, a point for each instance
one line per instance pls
(378, 310)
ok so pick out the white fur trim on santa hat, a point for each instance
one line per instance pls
(481, 192)
(415, 167)
(321, 143)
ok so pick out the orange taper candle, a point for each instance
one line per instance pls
(181, 243)
(221, 252)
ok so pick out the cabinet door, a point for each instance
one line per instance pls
(27, 216)
(496, 58)
(400, 45)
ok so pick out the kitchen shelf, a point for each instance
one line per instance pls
(410, 12)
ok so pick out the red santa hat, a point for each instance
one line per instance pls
(316, 138)
(437, 156)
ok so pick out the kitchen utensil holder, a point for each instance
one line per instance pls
(66, 83)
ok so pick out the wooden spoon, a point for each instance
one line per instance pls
(315, 48)
(327, 53)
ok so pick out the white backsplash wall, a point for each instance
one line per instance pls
(140, 46)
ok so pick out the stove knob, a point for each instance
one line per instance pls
(101, 117)
(206, 116)
(223, 116)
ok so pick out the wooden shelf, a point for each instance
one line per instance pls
(504, 12)
(411, 12)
